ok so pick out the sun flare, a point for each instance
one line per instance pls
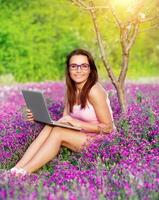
(125, 9)
(127, 4)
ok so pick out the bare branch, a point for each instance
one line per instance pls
(139, 7)
(101, 47)
(80, 3)
(149, 19)
(115, 16)
(132, 40)
(86, 7)
(130, 31)
(135, 15)
(125, 50)
(101, 7)
(76, 3)
(123, 37)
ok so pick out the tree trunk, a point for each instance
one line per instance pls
(121, 97)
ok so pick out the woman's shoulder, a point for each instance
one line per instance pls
(97, 88)
(96, 91)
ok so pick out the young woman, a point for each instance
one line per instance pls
(86, 106)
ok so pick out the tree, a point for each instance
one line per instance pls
(130, 17)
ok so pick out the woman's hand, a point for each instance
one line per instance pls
(30, 116)
(105, 128)
(69, 120)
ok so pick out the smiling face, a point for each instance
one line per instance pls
(79, 69)
(81, 75)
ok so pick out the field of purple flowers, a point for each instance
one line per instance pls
(124, 165)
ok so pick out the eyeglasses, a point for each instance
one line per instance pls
(74, 67)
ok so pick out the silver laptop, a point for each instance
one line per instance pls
(36, 103)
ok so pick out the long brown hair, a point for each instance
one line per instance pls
(92, 79)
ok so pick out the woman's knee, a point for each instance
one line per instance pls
(56, 133)
(45, 131)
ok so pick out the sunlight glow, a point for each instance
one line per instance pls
(125, 9)
(129, 5)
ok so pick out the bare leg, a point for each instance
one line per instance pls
(34, 147)
(50, 148)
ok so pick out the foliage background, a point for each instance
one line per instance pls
(36, 36)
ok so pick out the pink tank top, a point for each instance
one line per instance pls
(88, 113)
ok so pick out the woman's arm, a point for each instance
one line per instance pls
(65, 111)
(97, 97)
